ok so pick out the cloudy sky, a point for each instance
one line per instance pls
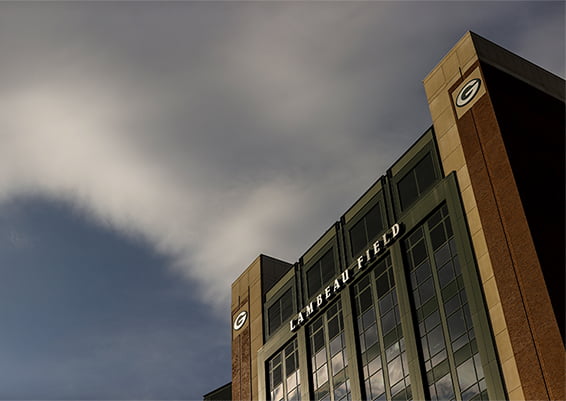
(149, 151)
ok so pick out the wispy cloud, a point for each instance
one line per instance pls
(218, 132)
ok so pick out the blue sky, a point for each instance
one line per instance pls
(87, 313)
(149, 151)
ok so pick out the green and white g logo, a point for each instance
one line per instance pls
(468, 92)
(240, 320)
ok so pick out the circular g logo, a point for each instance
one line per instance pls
(468, 92)
(240, 320)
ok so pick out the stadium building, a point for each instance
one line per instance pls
(445, 280)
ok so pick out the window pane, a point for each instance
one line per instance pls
(383, 285)
(320, 358)
(358, 237)
(368, 318)
(438, 358)
(443, 254)
(432, 321)
(377, 385)
(321, 376)
(337, 363)
(277, 394)
(374, 222)
(470, 393)
(386, 302)
(286, 305)
(274, 316)
(392, 351)
(419, 253)
(371, 336)
(425, 173)
(289, 349)
(408, 191)
(446, 274)
(426, 290)
(336, 345)
(436, 340)
(423, 272)
(292, 381)
(318, 340)
(327, 267)
(415, 237)
(290, 365)
(444, 388)
(374, 366)
(388, 321)
(333, 327)
(365, 299)
(395, 370)
(382, 267)
(456, 324)
(466, 374)
(277, 376)
(293, 395)
(314, 282)
(452, 304)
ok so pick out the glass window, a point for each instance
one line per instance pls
(329, 357)
(366, 229)
(442, 311)
(425, 173)
(416, 181)
(384, 365)
(408, 191)
(283, 371)
(280, 311)
(320, 273)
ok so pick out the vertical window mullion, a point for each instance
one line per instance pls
(328, 356)
(380, 335)
(366, 228)
(441, 311)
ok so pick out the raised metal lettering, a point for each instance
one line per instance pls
(336, 285)
(361, 262)
(310, 309)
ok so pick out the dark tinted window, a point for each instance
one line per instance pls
(280, 311)
(320, 273)
(416, 181)
(366, 229)
(443, 313)
(382, 345)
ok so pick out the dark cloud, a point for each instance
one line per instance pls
(174, 121)
(216, 131)
(98, 318)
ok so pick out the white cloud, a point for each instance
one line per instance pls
(260, 132)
